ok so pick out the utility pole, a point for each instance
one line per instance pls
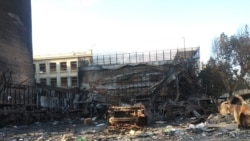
(184, 42)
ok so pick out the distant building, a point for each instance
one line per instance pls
(59, 70)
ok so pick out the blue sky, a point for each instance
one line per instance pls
(110, 26)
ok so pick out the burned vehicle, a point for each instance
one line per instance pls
(240, 108)
(126, 115)
(226, 108)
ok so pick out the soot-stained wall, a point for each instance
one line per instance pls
(16, 40)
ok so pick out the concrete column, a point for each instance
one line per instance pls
(16, 40)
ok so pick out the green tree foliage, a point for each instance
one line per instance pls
(211, 85)
(232, 60)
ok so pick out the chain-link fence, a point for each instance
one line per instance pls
(143, 57)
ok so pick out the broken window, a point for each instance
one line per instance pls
(52, 67)
(42, 68)
(73, 65)
(64, 82)
(74, 81)
(63, 66)
(53, 82)
(43, 81)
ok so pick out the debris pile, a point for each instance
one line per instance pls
(71, 130)
(218, 118)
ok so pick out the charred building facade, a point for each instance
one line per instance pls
(157, 75)
(16, 41)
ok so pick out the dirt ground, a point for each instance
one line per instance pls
(179, 129)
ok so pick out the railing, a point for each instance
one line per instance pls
(30, 95)
(144, 57)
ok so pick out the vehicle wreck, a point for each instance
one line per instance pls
(127, 116)
(240, 103)
(239, 107)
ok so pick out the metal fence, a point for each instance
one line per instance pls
(15, 94)
(18, 95)
(143, 57)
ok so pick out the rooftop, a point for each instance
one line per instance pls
(63, 55)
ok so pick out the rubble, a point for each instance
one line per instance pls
(180, 129)
(144, 119)
(181, 121)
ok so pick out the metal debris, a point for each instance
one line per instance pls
(132, 115)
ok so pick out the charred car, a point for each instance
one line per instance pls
(239, 107)
(224, 108)
(127, 115)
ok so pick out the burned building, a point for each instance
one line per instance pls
(156, 75)
(16, 41)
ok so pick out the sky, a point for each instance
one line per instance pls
(122, 26)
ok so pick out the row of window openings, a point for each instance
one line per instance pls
(64, 81)
(52, 66)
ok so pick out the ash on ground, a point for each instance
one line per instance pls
(214, 127)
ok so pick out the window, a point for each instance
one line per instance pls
(64, 82)
(73, 65)
(74, 81)
(52, 67)
(43, 81)
(42, 68)
(63, 66)
(53, 82)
